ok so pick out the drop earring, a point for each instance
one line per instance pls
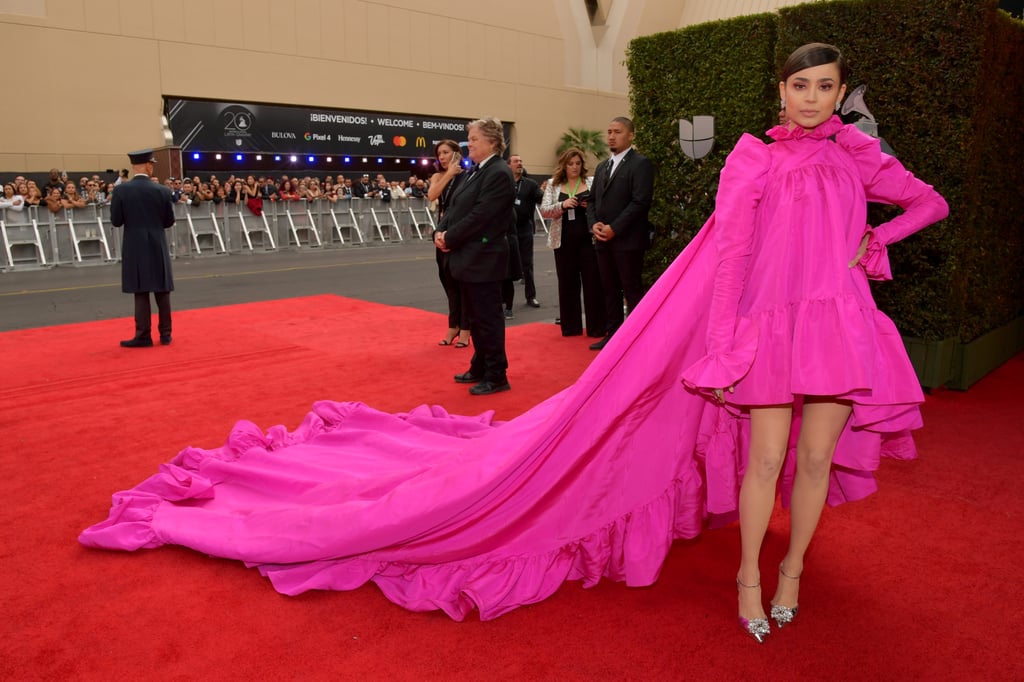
(838, 104)
(782, 104)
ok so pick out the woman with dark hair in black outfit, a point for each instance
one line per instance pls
(442, 185)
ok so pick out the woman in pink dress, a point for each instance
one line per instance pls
(764, 317)
(794, 339)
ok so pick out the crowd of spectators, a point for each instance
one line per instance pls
(61, 192)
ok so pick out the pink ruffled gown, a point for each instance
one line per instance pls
(454, 513)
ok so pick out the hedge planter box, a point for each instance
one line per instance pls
(986, 353)
(958, 365)
(934, 361)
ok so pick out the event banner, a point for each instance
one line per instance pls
(206, 126)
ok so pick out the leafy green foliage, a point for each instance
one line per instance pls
(590, 142)
(945, 81)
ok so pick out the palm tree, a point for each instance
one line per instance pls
(588, 141)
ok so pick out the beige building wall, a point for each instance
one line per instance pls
(91, 75)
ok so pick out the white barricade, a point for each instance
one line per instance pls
(300, 219)
(87, 234)
(179, 241)
(383, 217)
(204, 228)
(22, 239)
(252, 225)
(420, 216)
(114, 234)
(343, 217)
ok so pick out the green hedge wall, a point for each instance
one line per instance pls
(945, 81)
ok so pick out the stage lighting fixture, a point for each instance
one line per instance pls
(348, 159)
(259, 157)
(238, 157)
(311, 159)
(329, 159)
(277, 157)
(217, 157)
(293, 158)
(380, 160)
(195, 156)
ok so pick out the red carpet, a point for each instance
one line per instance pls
(920, 581)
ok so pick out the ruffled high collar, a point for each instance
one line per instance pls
(830, 127)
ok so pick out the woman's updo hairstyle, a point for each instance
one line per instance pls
(815, 54)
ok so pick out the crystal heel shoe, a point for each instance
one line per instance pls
(758, 628)
(784, 615)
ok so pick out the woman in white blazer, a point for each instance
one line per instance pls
(565, 202)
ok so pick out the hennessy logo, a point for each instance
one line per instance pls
(697, 138)
(421, 142)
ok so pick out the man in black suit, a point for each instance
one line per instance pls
(528, 196)
(617, 213)
(144, 208)
(474, 233)
(362, 189)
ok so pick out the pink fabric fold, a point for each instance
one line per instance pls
(459, 513)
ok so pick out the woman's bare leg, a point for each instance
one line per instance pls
(769, 436)
(821, 425)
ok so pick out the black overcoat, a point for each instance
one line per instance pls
(144, 208)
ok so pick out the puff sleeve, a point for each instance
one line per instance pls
(886, 181)
(741, 185)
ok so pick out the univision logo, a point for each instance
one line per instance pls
(697, 138)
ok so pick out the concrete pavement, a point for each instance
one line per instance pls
(395, 274)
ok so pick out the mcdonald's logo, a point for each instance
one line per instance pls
(421, 142)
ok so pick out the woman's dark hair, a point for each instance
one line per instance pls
(451, 144)
(815, 54)
(568, 155)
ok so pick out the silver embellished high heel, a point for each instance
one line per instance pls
(784, 615)
(758, 628)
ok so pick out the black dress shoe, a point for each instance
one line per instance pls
(137, 342)
(601, 344)
(165, 339)
(489, 387)
(533, 303)
(467, 378)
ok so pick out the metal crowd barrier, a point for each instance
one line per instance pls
(37, 238)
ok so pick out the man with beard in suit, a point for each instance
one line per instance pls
(617, 213)
(474, 232)
(145, 210)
